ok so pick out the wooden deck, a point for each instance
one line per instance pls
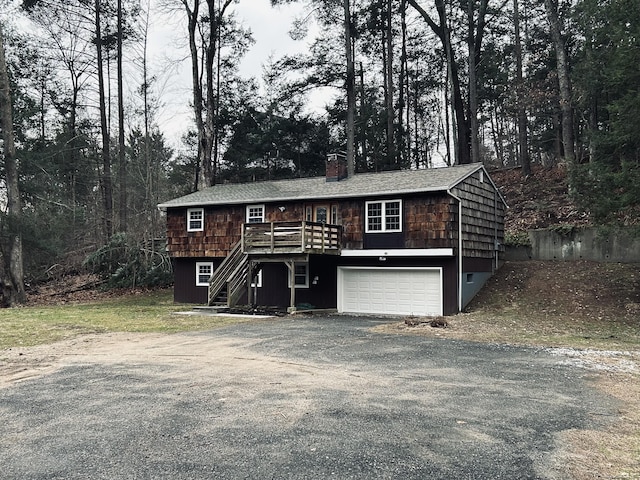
(291, 238)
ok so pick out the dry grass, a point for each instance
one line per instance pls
(613, 453)
(578, 305)
(137, 312)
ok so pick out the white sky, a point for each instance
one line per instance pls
(269, 26)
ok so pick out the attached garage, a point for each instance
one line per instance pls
(393, 291)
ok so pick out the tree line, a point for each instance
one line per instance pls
(416, 84)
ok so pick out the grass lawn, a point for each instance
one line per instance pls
(144, 312)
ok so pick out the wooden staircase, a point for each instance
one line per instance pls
(229, 281)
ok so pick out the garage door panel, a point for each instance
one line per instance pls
(401, 291)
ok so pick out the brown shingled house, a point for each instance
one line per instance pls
(409, 242)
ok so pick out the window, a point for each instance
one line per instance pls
(334, 214)
(300, 275)
(257, 280)
(195, 219)
(384, 216)
(255, 213)
(321, 214)
(203, 273)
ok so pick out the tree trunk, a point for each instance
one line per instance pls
(364, 162)
(404, 123)
(391, 153)
(192, 27)
(523, 150)
(351, 90)
(12, 286)
(462, 131)
(566, 105)
(122, 165)
(473, 85)
(107, 186)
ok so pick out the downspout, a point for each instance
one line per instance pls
(455, 197)
(495, 231)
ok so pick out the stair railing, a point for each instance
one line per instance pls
(232, 272)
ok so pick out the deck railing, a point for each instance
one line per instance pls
(291, 237)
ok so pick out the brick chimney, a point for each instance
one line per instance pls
(336, 167)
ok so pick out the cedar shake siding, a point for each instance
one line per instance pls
(428, 221)
(482, 216)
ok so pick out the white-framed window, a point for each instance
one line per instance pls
(203, 273)
(300, 275)
(383, 216)
(255, 213)
(195, 219)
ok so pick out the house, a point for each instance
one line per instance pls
(409, 242)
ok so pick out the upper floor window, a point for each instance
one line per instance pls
(384, 216)
(255, 213)
(195, 219)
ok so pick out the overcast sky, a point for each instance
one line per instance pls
(269, 26)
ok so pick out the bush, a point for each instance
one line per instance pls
(125, 263)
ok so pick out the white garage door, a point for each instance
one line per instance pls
(395, 291)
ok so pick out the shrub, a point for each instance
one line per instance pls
(125, 263)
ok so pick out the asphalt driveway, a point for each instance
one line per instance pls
(294, 398)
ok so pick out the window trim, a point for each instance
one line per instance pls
(258, 282)
(306, 279)
(383, 217)
(249, 207)
(202, 264)
(191, 211)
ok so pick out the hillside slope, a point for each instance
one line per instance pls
(540, 200)
(575, 291)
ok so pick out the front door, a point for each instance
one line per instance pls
(321, 213)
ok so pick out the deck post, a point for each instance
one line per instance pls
(291, 266)
(250, 299)
(273, 238)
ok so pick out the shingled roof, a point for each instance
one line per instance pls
(317, 188)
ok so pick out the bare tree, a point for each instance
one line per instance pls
(122, 163)
(205, 30)
(351, 90)
(107, 183)
(461, 123)
(523, 151)
(566, 103)
(11, 261)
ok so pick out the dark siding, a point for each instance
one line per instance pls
(275, 290)
(184, 288)
(384, 240)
